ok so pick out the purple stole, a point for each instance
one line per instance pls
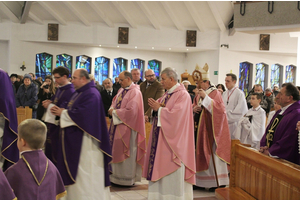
(155, 134)
(112, 128)
(53, 143)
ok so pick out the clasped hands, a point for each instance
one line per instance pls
(55, 110)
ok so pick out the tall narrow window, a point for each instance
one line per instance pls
(119, 65)
(155, 65)
(64, 60)
(83, 62)
(43, 65)
(261, 74)
(290, 74)
(139, 64)
(276, 74)
(245, 77)
(101, 69)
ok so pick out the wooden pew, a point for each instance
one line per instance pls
(257, 176)
(24, 113)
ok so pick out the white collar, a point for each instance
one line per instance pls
(256, 109)
(283, 109)
(129, 86)
(171, 90)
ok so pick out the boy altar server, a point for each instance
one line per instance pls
(34, 176)
(251, 127)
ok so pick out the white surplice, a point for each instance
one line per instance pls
(90, 175)
(251, 132)
(129, 171)
(236, 107)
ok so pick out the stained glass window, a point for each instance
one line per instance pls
(276, 72)
(155, 65)
(245, 77)
(83, 62)
(139, 64)
(101, 69)
(261, 74)
(64, 60)
(290, 74)
(119, 65)
(43, 65)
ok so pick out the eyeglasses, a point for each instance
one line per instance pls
(57, 77)
(149, 76)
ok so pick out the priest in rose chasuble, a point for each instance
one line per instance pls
(170, 160)
(127, 133)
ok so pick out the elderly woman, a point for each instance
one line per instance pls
(27, 95)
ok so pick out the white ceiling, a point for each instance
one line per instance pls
(180, 15)
(202, 16)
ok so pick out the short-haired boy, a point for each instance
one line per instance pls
(34, 176)
(251, 127)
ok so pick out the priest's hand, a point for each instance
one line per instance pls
(46, 103)
(146, 118)
(298, 126)
(56, 110)
(264, 150)
(197, 109)
(153, 104)
(202, 93)
(110, 111)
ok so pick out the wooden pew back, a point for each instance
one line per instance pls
(261, 176)
(24, 113)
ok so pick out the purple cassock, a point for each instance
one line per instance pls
(35, 177)
(8, 110)
(6, 192)
(87, 111)
(53, 144)
(281, 135)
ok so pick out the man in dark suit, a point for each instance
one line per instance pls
(116, 85)
(107, 94)
(150, 88)
(136, 76)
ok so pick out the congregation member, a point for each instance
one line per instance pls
(170, 160)
(99, 87)
(107, 94)
(150, 88)
(13, 78)
(265, 103)
(136, 76)
(275, 89)
(281, 138)
(18, 82)
(27, 95)
(33, 79)
(251, 127)
(212, 137)
(269, 97)
(34, 176)
(83, 158)
(221, 88)
(272, 113)
(186, 85)
(47, 90)
(9, 153)
(61, 99)
(116, 85)
(127, 133)
(234, 101)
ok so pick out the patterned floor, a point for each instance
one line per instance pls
(140, 190)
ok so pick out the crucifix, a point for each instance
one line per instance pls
(23, 66)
